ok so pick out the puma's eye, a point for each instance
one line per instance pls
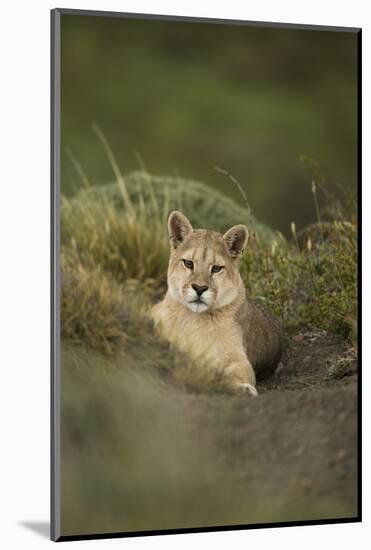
(188, 264)
(216, 268)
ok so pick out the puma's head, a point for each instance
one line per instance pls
(203, 271)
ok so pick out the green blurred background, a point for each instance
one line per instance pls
(189, 96)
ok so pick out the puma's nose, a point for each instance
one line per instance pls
(199, 289)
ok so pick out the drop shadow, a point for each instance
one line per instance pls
(42, 528)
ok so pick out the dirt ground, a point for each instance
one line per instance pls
(299, 437)
(169, 457)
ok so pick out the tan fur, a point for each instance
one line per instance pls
(232, 334)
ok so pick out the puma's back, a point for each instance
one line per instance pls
(262, 337)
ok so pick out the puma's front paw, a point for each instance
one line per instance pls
(247, 388)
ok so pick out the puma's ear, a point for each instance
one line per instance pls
(236, 239)
(179, 227)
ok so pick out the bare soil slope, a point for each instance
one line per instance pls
(300, 435)
(156, 455)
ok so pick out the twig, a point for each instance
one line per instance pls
(237, 184)
(116, 170)
(79, 169)
(311, 272)
(314, 192)
(140, 161)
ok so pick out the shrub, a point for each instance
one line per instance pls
(204, 206)
(312, 283)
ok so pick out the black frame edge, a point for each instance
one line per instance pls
(224, 528)
(359, 275)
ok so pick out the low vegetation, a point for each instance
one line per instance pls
(115, 253)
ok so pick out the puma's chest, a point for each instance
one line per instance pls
(201, 334)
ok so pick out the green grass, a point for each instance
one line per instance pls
(311, 282)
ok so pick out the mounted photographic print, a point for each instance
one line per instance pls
(205, 192)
